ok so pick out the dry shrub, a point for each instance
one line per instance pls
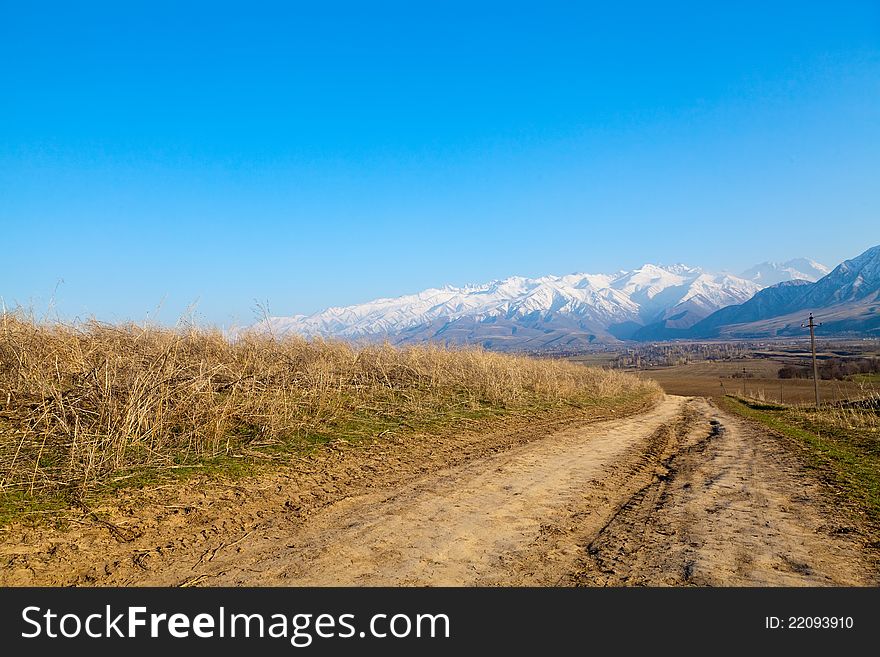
(79, 403)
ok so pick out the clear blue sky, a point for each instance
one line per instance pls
(315, 154)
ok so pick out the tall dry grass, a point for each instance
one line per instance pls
(861, 415)
(80, 403)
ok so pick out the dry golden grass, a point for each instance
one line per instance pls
(81, 404)
(862, 416)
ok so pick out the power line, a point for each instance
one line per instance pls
(812, 325)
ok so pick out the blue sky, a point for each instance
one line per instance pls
(154, 156)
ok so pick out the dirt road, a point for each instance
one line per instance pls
(682, 494)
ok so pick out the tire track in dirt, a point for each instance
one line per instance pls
(734, 508)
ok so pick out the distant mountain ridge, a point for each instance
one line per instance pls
(846, 301)
(651, 302)
(550, 312)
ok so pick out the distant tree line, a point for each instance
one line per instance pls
(680, 353)
(832, 368)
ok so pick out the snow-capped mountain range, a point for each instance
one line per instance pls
(550, 312)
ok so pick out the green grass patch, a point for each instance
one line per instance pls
(18, 505)
(865, 378)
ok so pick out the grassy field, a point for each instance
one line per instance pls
(839, 441)
(90, 408)
(865, 378)
(755, 378)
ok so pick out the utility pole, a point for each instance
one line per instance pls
(812, 325)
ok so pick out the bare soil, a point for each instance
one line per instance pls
(680, 494)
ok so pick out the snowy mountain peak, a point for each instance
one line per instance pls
(771, 273)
